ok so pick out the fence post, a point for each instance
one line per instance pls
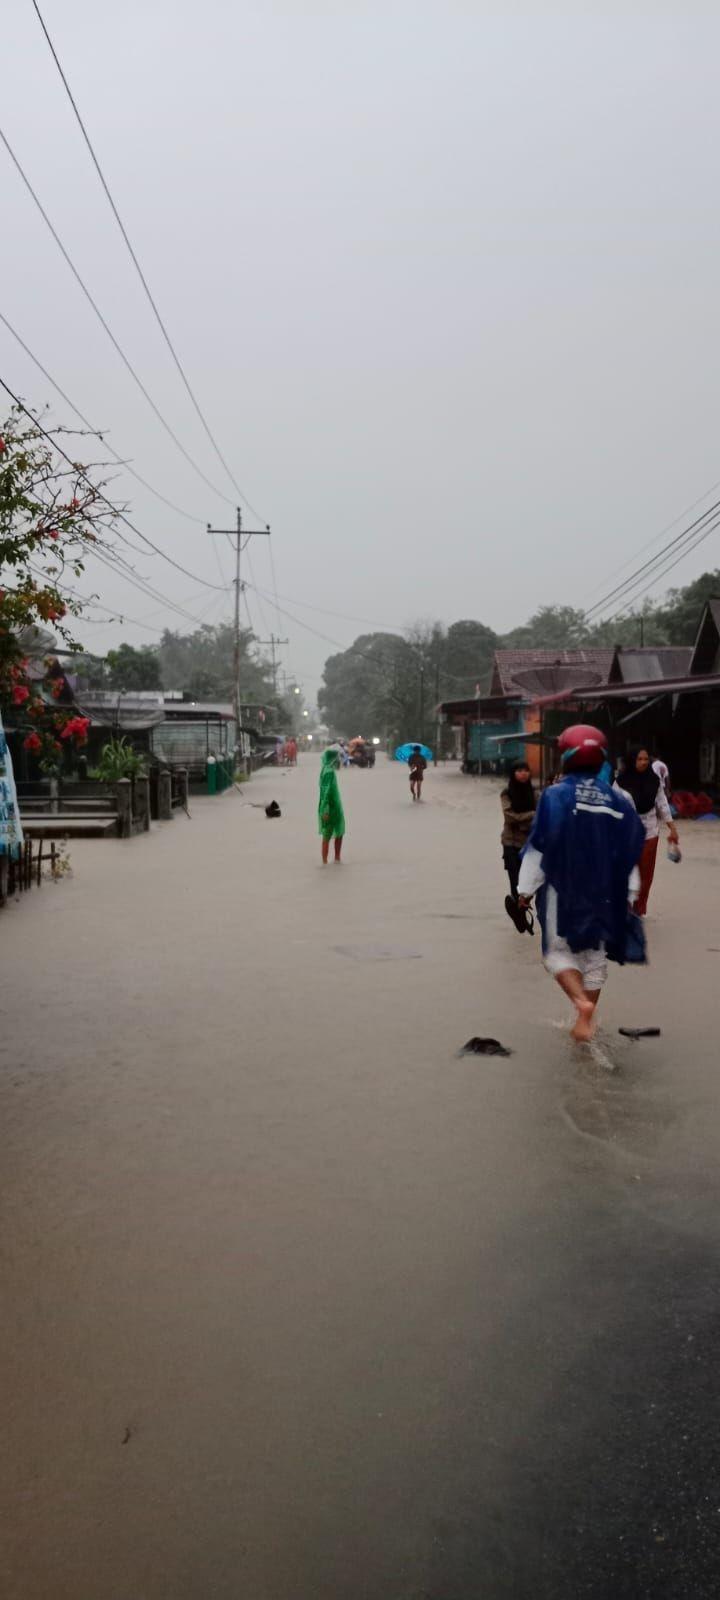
(164, 796)
(211, 775)
(123, 790)
(183, 786)
(142, 801)
(54, 796)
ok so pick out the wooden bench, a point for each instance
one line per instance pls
(65, 825)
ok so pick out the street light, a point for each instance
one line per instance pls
(306, 713)
(296, 690)
(376, 741)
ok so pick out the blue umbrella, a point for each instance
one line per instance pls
(405, 751)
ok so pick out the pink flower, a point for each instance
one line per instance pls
(20, 694)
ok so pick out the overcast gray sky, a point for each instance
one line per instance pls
(444, 277)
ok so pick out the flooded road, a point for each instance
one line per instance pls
(297, 1305)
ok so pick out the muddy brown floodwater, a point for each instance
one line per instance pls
(299, 1305)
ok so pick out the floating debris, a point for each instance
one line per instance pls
(484, 1047)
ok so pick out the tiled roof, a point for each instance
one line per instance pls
(531, 672)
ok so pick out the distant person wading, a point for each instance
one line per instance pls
(518, 804)
(418, 768)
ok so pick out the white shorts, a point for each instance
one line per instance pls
(591, 964)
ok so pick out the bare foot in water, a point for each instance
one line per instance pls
(585, 1025)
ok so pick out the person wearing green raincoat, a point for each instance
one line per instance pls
(331, 816)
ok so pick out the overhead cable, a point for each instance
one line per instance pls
(137, 265)
(656, 536)
(685, 538)
(98, 432)
(121, 516)
(118, 347)
(705, 534)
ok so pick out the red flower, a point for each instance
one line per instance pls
(53, 533)
(2, 446)
(20, 694)
(33, 742)
(76, 728)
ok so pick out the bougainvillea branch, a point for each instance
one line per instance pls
(52, 514)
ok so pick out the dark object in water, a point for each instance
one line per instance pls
(640, 1033)
(273, 810)
(484, 1047)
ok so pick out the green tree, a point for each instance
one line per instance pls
(550, 628)
(202, 665)
(131, 668)
(91, 670)
(372, 687)
(467, 658)
(682, 608)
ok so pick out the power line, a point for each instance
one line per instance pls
(98, 432)
(136, 582)
(121, 516)
(674, 563)
(137, 265)
(118, 347)
(681, 539)
(342, 616)
(667, 529)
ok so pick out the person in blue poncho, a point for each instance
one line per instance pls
(581, 862)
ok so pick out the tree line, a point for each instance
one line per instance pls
(387, 684)
(200, 663)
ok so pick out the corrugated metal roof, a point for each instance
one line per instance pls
(510, 667)
(134, 712)
(646, 663)
(635, 691)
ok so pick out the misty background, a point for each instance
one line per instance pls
(443, 278)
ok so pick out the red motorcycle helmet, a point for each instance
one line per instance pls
(582, 747)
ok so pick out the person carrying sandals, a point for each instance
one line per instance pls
(518, 807)
(581, 861)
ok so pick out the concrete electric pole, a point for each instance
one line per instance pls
(273, 642)
(239, 536)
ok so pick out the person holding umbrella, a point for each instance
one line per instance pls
(417, 757)
(418, 768)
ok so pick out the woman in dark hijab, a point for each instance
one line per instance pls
(650, 801)
(518, 803)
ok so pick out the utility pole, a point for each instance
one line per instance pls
(437, 707)
(273, 641)
(237, 535)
